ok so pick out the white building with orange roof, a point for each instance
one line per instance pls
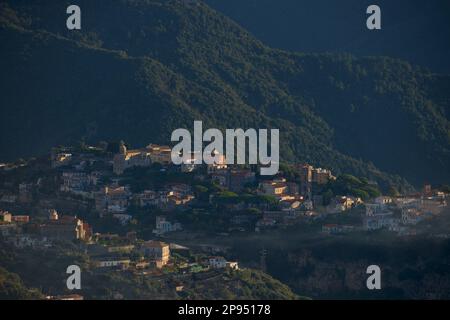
(158, 251)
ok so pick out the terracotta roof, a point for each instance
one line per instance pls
(155, 244)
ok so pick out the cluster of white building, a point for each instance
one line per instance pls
(380, 213)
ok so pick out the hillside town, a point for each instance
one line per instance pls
(132, 210)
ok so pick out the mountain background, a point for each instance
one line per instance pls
(138, 69)
(417, 31)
